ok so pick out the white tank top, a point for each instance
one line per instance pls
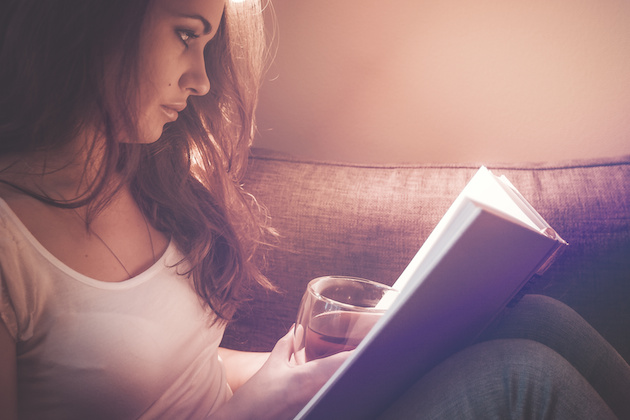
(86, 349)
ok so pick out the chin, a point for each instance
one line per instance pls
(151, 139)
(147, 136)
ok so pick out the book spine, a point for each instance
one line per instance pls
(555, 252)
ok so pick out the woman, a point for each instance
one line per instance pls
(126, 243)
(124, 128)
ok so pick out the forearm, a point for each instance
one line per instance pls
(260, 395)
(280, 388)
(248, 403)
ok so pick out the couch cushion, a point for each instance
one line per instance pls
(369, 220)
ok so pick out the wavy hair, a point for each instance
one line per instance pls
(53, 59)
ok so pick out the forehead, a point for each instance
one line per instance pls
(204, 10)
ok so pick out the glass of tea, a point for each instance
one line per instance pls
(336, 313)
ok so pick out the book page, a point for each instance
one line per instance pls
(497, 193)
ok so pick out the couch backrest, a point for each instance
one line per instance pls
(369, 221)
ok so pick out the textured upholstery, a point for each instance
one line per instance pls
(369, 221)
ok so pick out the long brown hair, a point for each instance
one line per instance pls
(52, 62)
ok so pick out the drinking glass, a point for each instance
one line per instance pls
(336, 313)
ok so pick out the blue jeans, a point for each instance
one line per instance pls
(541, 360)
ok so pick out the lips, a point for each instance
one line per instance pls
(172, 111)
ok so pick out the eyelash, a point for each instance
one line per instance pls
(186, 36)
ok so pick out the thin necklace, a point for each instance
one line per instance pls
(111, 251)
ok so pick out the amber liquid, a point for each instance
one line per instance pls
(332, 332)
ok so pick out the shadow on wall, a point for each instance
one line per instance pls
(449, 81)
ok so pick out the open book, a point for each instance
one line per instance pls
(488, 245)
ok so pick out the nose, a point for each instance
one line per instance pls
(195, 79)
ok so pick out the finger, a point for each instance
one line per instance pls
(290, 332)
(284, 347)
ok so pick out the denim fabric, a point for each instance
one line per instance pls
(540, 361)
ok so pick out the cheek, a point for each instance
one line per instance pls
(153, 94)
(161, 57)
(158, 67)
(148, 115)
(158, 83)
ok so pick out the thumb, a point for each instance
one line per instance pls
(284, 347)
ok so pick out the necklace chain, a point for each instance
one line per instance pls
(111, 251)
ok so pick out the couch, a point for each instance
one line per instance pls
(369, 220)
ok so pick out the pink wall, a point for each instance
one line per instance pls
(449, 80)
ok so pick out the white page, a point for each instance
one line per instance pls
(490, 190)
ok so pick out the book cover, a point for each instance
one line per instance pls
(488, 245)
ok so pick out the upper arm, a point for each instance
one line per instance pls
(8, 379)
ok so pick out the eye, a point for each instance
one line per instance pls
(186, 35)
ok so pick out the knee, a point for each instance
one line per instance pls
(509, 368)
(538, 318)
(481, 381)
(495, 379)
(542, 309)
(544, 304)
(521, 378)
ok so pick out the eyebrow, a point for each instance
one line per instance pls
(207, 28)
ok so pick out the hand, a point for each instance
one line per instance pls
(281, 388)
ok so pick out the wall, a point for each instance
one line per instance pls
(448, 81)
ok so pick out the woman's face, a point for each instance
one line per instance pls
(171, 60)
